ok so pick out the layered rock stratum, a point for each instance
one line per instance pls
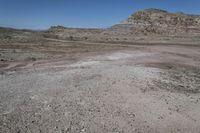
(156, 21)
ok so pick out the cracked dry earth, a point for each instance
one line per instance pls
(154, 89)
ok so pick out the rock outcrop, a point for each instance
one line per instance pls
(156, 21)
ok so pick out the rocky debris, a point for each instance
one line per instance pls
(114, 91)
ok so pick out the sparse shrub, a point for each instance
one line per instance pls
(33, 58)
(71, 38)
(85, 38)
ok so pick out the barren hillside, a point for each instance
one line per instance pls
(149, 25)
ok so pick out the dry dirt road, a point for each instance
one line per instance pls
(152, 88)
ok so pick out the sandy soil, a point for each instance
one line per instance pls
(139, 88)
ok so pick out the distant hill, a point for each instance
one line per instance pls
(142, 25)
(19, 35)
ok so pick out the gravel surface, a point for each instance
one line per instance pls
(119, 91)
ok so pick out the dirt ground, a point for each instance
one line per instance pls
(97, 87)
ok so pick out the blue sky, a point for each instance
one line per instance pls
(41, 14)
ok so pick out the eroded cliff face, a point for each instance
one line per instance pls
(156, 21)
(162, 18)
